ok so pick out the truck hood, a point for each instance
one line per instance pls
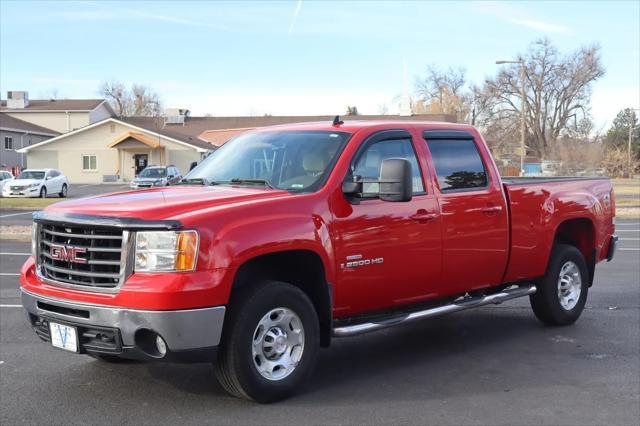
(165, 202)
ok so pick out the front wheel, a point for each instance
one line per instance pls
(43, 192)
(562, 292)
(270, 343)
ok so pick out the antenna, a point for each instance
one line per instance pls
(337, 121)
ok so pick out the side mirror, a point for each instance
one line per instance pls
(396, 180)
(352, 187)
(47, 178)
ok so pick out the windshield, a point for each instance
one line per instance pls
(156, 172)
(294, 160)
(28, 174)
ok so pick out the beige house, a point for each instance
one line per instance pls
(60, 115)
(115, 150)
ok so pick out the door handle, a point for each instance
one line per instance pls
(491, 210)
(422, 216)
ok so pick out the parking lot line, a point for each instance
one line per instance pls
(629, 239)
(10, 306)
(630, 249)
(627, 230)
(15, 214)
(8, 274)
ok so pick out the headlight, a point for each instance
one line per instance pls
(33, 185)
(166, 251)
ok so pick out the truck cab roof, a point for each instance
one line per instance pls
(353, 126)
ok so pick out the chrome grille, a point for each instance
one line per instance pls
(95, 258)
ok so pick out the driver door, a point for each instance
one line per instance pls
(387, 253)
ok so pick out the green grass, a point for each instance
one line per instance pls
(27, 203)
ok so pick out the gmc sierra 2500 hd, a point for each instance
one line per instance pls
(290, 236)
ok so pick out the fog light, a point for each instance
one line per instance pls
(161, 346)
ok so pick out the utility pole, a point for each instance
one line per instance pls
(523, 107)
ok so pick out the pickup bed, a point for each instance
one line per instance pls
(290, 236)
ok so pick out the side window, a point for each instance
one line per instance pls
(54, 173)
(89, 162)
(458, 164)
(368, 164)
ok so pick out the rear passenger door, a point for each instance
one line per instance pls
(474, 215)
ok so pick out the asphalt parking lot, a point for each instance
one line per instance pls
(494, 365)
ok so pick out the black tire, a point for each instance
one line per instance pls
(63, 192)
(546, 302)
(235, 368)
(43, 192)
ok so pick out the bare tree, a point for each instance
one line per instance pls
(146, 102)
(352, 110)
(444, 91)
(140, 100)
(558, 92)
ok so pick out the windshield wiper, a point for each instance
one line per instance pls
(197, 181)
(264, 182)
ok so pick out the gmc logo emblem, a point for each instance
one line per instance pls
(67, 253)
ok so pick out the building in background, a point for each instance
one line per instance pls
(16, 134)
(60, 115)
(114, 150)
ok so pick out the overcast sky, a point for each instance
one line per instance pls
(299, 57)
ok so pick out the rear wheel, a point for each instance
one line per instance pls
(562, 292)
(270, 343)
(43, 192)
(63, 191)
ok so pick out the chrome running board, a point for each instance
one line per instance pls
(466, 303)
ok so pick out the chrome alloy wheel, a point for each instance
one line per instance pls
(278, 344)
(569, 285)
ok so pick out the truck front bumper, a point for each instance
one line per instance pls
(127, 332)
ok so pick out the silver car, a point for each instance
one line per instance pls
(156, 176)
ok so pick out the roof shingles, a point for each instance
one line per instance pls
(11, 123)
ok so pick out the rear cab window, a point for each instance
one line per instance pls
(459, 166)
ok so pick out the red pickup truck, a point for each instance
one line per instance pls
(290, 236)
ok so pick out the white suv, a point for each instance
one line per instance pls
(37, 183)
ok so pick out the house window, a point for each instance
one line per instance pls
(89, 162)
(8, 143)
